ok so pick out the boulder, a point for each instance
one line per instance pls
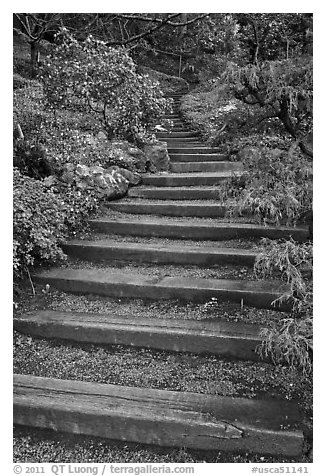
(158, 155)
(132, 177)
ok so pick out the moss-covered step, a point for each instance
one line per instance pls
(175, 193)
(168, 208)
(106, 250)
(109, 282)
(194, 229)
(209, 166)
(185, 179)
(159, 417)
(229, 339)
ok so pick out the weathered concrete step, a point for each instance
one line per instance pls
(106, 250)
(106, 282)
(230, 339)
(169, 209)
(194, 229)
(220, 166)
(188, 149)
(175, 135)
(201, 157)
(175, 193)
(160, 417)
(190, 179)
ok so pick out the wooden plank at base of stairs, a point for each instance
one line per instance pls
(119, 284)
(230, 339)
(194, 229)
(107, 250)
(159, 417)
(168, 209)
(175, 193)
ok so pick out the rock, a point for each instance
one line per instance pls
(101, 135)
(158, 155)
(67, 177)
(132, 177)
(49, 181)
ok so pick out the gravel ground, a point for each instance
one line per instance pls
(147, 368)
(216, 220)
(171, 309)
(163, 270)
(247, 244)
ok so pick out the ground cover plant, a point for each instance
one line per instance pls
(290, 340)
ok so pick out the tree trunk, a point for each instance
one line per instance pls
(34, 58)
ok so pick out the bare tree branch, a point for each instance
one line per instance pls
(145, 33)
(159, 20)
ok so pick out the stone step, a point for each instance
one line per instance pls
(169, 208)
(175, 193)
(108, 250)
(176, 135)
(228, 339)
(201, 157)
(190, 179)
(187, 149)
(106, 282)
(160, 417)
(220, 166)
(194, 229)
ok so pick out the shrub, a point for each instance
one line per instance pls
(38, 223)
(105, 81)
(276, 187)
(291, 339)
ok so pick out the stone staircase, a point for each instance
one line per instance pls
(167, 214)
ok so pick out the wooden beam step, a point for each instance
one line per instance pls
(200, 157)
(185, 179)
(199, 149)
(194, 229)
(228, 339)
(210, 166)
(108, 250)
(174, 135)
(175, 193)
(113, 283)
(158, 417)
(168, 208)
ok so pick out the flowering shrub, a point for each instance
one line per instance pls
(104, 80)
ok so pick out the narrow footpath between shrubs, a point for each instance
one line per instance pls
(127, 352)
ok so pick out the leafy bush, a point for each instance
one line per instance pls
(283, 88)
(276, 186)
(291, 339)
(38, 223)
(104, 80)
